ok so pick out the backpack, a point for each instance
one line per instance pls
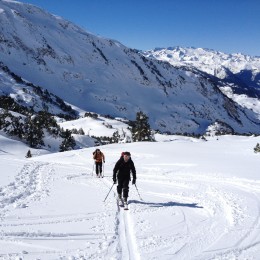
(95, 153)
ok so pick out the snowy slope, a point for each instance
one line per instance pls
(97, 127)
(243, 100)
(199, 200)
(240, 73)
(103, 76)
(32, 96)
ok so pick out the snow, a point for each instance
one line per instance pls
(97, 127)
(199, 200)
(217, 63)
(103, 76)
(206, 60)
(196, 199)
(243, 100)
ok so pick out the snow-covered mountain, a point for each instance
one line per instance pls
(208, 60)
(243, 68)
(31, 96)
(239, 73)
(103, 76)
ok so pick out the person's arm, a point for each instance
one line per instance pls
(133, 171)
(116, 168)
(103, 157)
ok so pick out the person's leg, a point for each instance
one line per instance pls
(96, 168)
(100, 168)
(125, 189)
(119, 188)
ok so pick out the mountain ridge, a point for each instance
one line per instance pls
(104, 76)
(216, 63)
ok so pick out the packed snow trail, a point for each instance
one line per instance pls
(202, 203)
(219, 216)
(125, 231)
(54, 222)
(58, 226)
(29, 184)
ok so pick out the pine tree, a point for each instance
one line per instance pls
(68, 142)
(141, 130)
(81, 131)
(29, 154)
(47, 121)
(5, 119)
(16, 127)
(33, 132)
(257, 148)
(115, 137)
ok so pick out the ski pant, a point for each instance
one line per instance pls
(123, 186)
(98, 167)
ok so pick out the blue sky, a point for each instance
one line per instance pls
(225, 25)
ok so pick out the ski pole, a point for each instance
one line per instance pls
(93, 168)
(138, 192)
(109, 192)
(103, 165)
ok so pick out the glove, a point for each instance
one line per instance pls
(133, 181)
(104, 161)
(114, 180)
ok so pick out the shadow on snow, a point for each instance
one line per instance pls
(165, 204)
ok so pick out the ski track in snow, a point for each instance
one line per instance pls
(225, 212)
(203, 212)
(124, 230)
(29, 185)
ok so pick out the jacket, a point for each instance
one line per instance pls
(98, 157)
(123, 169)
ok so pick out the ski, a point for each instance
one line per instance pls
(125, 205)
(120, 203)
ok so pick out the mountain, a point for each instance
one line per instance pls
(237, 73)
(105, 77)
(192, 200)
(30, 97)
(236, 68)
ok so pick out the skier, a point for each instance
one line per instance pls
(121, 172)
(99, 157)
